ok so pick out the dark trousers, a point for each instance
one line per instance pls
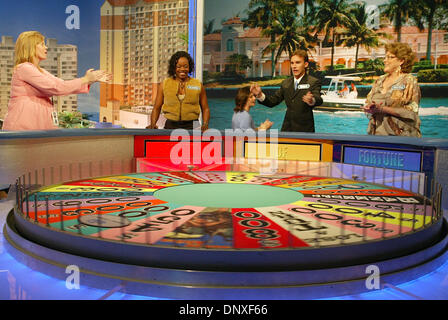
(170, 124)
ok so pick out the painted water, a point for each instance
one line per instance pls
(433, 114)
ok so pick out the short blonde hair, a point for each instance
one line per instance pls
(25, 49)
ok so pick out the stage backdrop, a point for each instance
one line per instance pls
(242, 38)
(133, 39)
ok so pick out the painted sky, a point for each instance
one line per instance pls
(48, 17)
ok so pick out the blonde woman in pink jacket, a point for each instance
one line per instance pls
(30, 106)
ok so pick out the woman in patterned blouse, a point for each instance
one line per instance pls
(393, 102)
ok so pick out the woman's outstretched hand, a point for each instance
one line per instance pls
(92, 76)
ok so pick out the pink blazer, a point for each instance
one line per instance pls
(30, 105)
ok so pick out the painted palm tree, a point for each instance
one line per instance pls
(183, 37)
(307, 4)
(425, 14)
(330, 15)
(357, 33)
(398, 11)
(240, 61)
(442, 23)
(209, 26)
(293, 35)
(263, 14)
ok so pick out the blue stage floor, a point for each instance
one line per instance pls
(20, 282)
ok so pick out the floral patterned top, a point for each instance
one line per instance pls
(404, 96)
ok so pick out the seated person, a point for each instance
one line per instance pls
(353, 92)
(344, 92)
(242, 119)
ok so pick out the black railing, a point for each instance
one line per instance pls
(428, 207)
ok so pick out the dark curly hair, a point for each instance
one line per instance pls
(175, 58)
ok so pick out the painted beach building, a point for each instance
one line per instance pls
(6, 66)
(235, 39)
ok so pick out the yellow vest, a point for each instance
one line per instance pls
(186, 110)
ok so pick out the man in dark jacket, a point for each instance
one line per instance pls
(301, 93)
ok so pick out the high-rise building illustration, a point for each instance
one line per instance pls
(137, 39)
(62, 62)
(6, 65)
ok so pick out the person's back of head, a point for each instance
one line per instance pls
(241, 98)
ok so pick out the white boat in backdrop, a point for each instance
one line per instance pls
(341, 95)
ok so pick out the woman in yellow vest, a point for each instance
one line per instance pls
(180, 97)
